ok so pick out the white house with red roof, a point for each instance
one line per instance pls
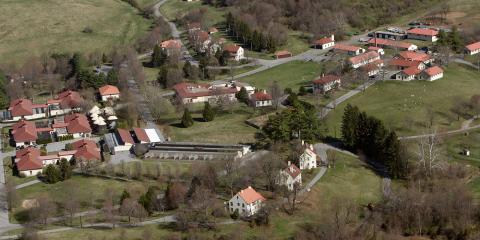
(348, 49)
(199, 92)
(171, 46)
(24, 133)
(379, 50)
(324, 43)
(235, 52)
(290, 176)
(364, 59)
(109, 92)
(326, 83)
(431, 74)
(75, 124)
(86, 150)
(308, 159)
(400, 64)
(246, 203)
(64, 103)
(472, 49)
(261, 99)
(424, 34)
(30, 162)
(416, 56)
(24, 108)
(386, 43)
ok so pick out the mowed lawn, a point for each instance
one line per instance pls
(31, 27)
(292, 75)
(404, 106)
(227, 127)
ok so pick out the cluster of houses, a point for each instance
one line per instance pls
(248, 202)
(59, 119)
(187, 92)
(415, 65)
(417, 33)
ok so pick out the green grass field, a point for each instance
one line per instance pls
(225, 128)
(176, 9)
(31, 28)
(403, 106)
(293, 75)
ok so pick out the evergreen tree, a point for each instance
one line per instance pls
(65, 169)
(397, 166)
(162, 76)
(242, 95)
(52, 174)
(208, 113)
(187, 120)
(104, 58)
(455, 40)
(112, 77)
(302, 91)
(349, 126)
(78, 63)
(187, 70)
(4, 100)
(442, 38)
(147, 200)
(158, 57)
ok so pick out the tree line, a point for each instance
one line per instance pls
(368, 135)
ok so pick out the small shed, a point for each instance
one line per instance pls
(283, 54)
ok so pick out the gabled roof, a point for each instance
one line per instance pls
(125, 136)
(473, 46)
(423, 31)
(432, 71)
(249, 195)
(326, 79)
(349, 48)
(411, 71)
(67, 99)
(390, 43)
(282, 53)
(171, 44)
(404, 63)
(231, 48)
(28, 159)
(77, 123)
(261, 96)
(21, 107)
(324, 40)
(193, 90)
(414, 56)
(108, 90)
(24, 131)
(202, 36)
(293, 171)
(86, 149)
(364, 57)
(141, 134)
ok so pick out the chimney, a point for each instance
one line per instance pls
(323, 74)
(333, 37)
(303, 142)
(288, 163)
(311, 147)
(264, 91)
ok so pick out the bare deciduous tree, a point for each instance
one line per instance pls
(429, 153)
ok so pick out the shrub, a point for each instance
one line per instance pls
(87, 30)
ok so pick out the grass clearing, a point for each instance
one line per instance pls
(403, 106)
(31, 28)
(292, 74)
(176, 9)
(225, 128)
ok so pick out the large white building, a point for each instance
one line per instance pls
(424, 34)
(247, 202)
(199, 92)
(326, 83)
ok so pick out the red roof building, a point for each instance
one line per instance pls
(324, 43)
(425, 34)
(231, 48)
(400, 63)
(386, 43)
(282, 54)
(125, 136)
(194, 92)
(249, 195)
(432, 73)
(349, 49)
(77, 123)
(415, 56)
(24, 131)
(141, 135)
(326, 83)
(261, 99)
(171, 44)
(67, 99)
(108, 90)
(364, 59)
(473, 48)
(21, 107)
(86, 150)
(28, 159)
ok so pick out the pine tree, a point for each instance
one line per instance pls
(455, 40)
(302, 91)
(104, 58)
(397, 167)
(65, 169)
(52, 174)
(78, 64)
(208, 113)
(187, 120)
(158, 57)
(187, 69)
(349, 125)
(242, 95)
(112, 77)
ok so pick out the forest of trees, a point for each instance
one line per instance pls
(369, 136)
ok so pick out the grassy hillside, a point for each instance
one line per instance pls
(31, 27)
(403, 106)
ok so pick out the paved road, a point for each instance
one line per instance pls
(453, 132)
(29, 183)
(5, 224)
(461, 61)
